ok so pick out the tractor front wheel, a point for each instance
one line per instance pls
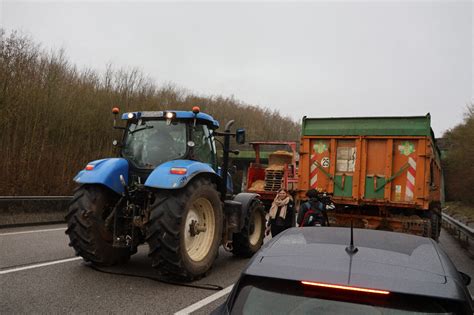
(185, 229)
(89, 236)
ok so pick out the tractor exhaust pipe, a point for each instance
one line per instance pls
(225, 162)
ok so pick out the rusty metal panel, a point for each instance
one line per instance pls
(372, 170)
(375, 178)
(346, 156)
(405, 165)
(356, 192)
(388, 168)
(320, 161)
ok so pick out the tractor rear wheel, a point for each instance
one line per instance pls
(249, 240)
(89, 236)
(185, 229)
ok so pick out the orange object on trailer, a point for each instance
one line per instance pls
(383, 172)
(280, 172)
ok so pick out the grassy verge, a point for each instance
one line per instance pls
(460, 211)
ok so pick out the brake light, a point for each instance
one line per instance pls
(89, 167)
(178, 170)
(344, 287)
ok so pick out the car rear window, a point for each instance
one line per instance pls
(257, 295)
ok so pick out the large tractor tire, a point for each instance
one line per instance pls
(185, 229)
(86, 226)
(249, 240)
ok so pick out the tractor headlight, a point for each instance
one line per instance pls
(131, 115)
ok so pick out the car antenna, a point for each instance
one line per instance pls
(351, 249)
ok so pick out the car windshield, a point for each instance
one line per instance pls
(290, 297)
(153, 142)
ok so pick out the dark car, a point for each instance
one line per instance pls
(315, 270)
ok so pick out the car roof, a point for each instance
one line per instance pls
(390, 261)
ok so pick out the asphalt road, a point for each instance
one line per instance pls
(64, 284)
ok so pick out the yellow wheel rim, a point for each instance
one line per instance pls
(254, 234)
(200, 227)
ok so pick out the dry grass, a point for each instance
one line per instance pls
(460, 211)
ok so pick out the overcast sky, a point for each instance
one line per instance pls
(319, 59)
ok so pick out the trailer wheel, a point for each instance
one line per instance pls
(185, 229)
(249, 240)
(89, 236)
(435, 224)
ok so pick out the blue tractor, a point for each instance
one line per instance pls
(166, 189)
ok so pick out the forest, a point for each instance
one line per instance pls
(55, 117)
(458, 165)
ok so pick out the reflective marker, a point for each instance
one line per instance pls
(178, 170)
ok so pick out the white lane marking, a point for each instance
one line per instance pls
(2, 272)
(32, 231)
(204, 302)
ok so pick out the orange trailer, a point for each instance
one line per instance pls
(383, 172)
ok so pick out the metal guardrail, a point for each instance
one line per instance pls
(34, 198)
(32, 210)
(464, 233)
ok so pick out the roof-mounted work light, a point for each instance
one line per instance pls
(169, 117)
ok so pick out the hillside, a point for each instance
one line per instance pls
(56, 117)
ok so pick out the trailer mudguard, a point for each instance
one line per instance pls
(246, 200)
(106, 172)
(177, 173)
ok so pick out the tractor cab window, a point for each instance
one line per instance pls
(203, 145)
(153, 142)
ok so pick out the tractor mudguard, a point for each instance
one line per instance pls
(246, 200)
(183, 172)
(106, 172)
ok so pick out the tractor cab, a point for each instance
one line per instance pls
(153, 138)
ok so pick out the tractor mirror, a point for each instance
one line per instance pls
(240, 136)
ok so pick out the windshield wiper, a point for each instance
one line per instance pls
(139, 129)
